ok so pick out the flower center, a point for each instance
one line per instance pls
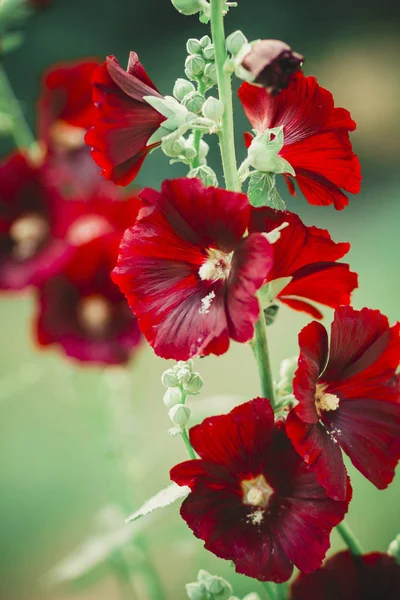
(216, 266)
(88, 228)
(28, 234)
(67, 137)
(256, 492)
(325, 402)
(94, 314)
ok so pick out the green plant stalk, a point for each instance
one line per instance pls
(349, 539)
(260, 348)
(21, 131)
(226, 134)
(188, 445)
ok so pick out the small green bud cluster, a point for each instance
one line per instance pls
(209, 587)
(205, 174)
(180, 149)
(200, 65)
(192, 7)
(180, 381)
(284, 387)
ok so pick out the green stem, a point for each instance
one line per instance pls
(226, 134)
(188, 445)
(349, 539)
(21, 131)
(198, 134)
(260, 347)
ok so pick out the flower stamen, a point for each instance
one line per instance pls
(217, 266)
(256, 492)
(325, 401)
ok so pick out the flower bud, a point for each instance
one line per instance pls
(272, 64)
(169, 379)
(205, 41)
(203, 575)
(193, 46)
(190, 153)
(182, 88)
(205, 174)
(194, 66)
(196, 591)
(172, 146)
(288, 368)
(184, 375)
(213, 109)
(179, 414)
(209, 52)
(194, 385)
(252, 596)
(394, 549)
(188, 7)
(235, 42)
(210, 71)
(219, 587)
(194, 102)
(172, 397)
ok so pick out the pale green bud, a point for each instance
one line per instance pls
(288, 368)
(196, 591)
(210, 71)
(219, 587)
(172, 397)
(193, 46)
(169, 379)
(235, 42)
(195, 65)
(188, 7)
(205, 174)
(182, 88)
(252, 596)
(194, 385)
(203, 575)
(213, 109)
(394, 549)
(205, 41)
(194, 102)
(184, 374)
(179, 414)
(173, 146)
(209, 52)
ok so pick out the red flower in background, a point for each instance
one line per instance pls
(65, 113)
(316, 137)
(373, 576)
(124, 121)
(31, 244)
(253, 500)
(187, 272)
(81, 309)
(348, 399)
(306, 255)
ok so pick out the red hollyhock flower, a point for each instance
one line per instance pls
(348, 398)
(124, 121)
(31, 245)
(253, 500)
(65, 113)
(316, 137)
(306, 255)
(373, 576)
(81, 309)
(187, 272)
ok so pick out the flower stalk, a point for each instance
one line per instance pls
(349, 539)
(260, 348)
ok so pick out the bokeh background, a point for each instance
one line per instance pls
(81, 448)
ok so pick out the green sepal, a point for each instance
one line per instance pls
(262, 191)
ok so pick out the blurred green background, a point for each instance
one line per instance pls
(67, 434)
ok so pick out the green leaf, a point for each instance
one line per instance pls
(262, 191)
(165, 497)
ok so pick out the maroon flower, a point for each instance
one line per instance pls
(187, 272)
(373, 576)
(272, 63)
(316, 137)
(124, 120)
(253, 500)
(348, 398)
(31, 246)
(306, 255)
(65, 113)
(81, 309)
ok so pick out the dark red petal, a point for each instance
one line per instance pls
(251, 262)
(321, 451)
(369, 432)
(230, 439)
(313, 342)
(302, 307)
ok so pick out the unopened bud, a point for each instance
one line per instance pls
(172, 397)
(394, 549)
(195, 65)
(169, 379)
(188, 7)
(194, 385)
(205, 41)
(205, 174)
(196, 591)
(209, 52)
(210, 71)
(172, 146)
(272, 64)
(190, 153)
(235, 42)
(203, 575)
(252, 596)
(194, 102)
(193, 46)
(219, 587)
(180, 414)
(213, 109)
(184, 374)
(182, 88)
